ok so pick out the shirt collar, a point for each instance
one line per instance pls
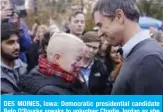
(142, 35)
(89, 65)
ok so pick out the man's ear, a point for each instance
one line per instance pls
(56, 58)
(120, 16)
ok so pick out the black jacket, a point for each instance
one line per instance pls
(99, 82)
(32, 56)
(37, 83)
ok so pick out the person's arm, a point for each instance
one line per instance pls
(25, 39)
(149, 76)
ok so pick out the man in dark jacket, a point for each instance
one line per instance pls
(57, 72)
(142, 69)
(95, 72)
(11, 66)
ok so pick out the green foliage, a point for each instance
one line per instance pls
(89, 24)
(152, 8)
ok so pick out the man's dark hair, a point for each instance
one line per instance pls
(109, 7)
(75, 13)
(7, 29)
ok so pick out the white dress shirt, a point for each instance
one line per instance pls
(139, 37)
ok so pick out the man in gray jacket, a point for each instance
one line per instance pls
(142, 69)
(11, 66)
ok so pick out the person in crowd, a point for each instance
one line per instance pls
(9, 15)
(33, 32)
(25, 40)
(40, 33)
(6, 11)
(11, 66)
(142, 69)
(94, 71)
(159, 37)
(110, 57)
(57, 72)
(77, 23)
(117, 60)
(104, 54)
(34, 51)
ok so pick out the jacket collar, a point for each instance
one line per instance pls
(17, 64)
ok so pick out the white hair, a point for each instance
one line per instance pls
(62, 43)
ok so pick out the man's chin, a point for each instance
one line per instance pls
(15, 57)
(11, 58)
